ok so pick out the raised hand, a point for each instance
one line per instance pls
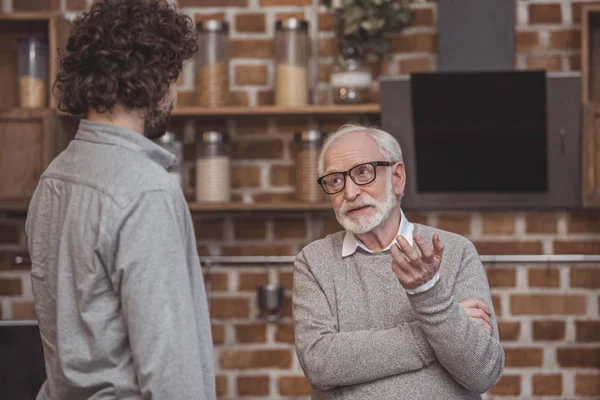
(411, 269)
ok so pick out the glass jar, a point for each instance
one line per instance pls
(351, 80)
(291, 63)
(170, 143)
(33, 72)
(212, 69)
(308, 146)
(213, 170)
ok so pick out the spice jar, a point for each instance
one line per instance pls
(308, 147)
(212, 70)
(291, 59)
(351, 79)
(170, 143)
(213, 171)
(33, 72)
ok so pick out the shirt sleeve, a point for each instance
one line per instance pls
(151, 274)
(426, 286)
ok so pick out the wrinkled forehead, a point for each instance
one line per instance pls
(350, 150)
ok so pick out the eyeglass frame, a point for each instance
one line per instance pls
(374, 164)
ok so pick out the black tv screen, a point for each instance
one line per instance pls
(480, 131)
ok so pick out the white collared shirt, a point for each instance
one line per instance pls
(406, 228)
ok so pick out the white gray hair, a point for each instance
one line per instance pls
(387, 145)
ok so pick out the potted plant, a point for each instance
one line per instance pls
(361, 27)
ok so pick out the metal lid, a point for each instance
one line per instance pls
(311, 135)
(167, 138)
(33, 39)
(214, 137)
(291, 24)
(212, 25)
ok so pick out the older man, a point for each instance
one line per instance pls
(389, 309)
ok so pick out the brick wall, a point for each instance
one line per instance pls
(548, 314)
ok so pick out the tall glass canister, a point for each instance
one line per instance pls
(212, 59)
(291, 63)
(213, 170)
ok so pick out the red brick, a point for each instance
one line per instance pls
(212, 3)
(507, 386)
(10, 234)
(584, 223)
(257, 149)
(545, 13)
(218, 334)
(254, 333)
(250, 23)
(219, 16)
(460, 223)
(265, 97)
(282, 175)
(221, 382)
(548, 63)
(584, 357)
(413, 65)
(575, 62)
(253, 385)
(328, 47)
(577, 247)
(10, 287)
(251, 74)
(294, 386)
(249, 359)
(217, 281)
(258, 250)
(251, 48)
(331, 225)
(422, 17)
(497, 304)
(497, 223)
(23, 310)
(509, 331)
(286, 280)
(272, 198)
(325, 70)
(209, 228)
(585, 277)
(577, 8)
(544, 277)
(8, 262)
(245, 176)
(229, 308)
(587, 385)
(523, 357)
(238, 98)
(527, 40)
(252, 280)
(536, 304)
(565, 39)
(326, 22)
(35, 5)
(414, 43)
(547, 384)
(587, 331)
(250, 228)
(501, 277)
(289, 228)
(289, 14)
(76, 5)
(286, 307)
(541, 223)
(284, 333)
(499, 248)
(548, 330)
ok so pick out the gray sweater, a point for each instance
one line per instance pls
(118, 290)
(359, 335)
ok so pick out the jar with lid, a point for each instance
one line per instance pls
(212, 70)
(308, 146)
(170, 143)
(351, 79)
(291, 62)
(213, 170)
(33, 72)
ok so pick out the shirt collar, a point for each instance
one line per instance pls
(351, 242)
(97, 132)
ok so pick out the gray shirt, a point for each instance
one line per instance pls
(119, 293)
(359, 335)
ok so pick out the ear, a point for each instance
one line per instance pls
(398, 178)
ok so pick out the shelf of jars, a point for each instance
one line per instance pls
(308, 110)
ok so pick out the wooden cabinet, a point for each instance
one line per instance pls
(29, 140)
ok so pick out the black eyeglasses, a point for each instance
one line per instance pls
(361, 174)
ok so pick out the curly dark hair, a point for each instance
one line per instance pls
(125, 52)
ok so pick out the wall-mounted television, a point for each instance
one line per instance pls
(487, 140)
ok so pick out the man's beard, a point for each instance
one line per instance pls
(364, 223)
(156, 122)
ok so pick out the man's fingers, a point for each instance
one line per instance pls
(410, 253)
(438, 247)
(476, 303)
(426, 250)
(483, 324)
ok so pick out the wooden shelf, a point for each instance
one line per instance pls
(27, 16)
(22, 205)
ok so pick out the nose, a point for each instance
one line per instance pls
(351, 190)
